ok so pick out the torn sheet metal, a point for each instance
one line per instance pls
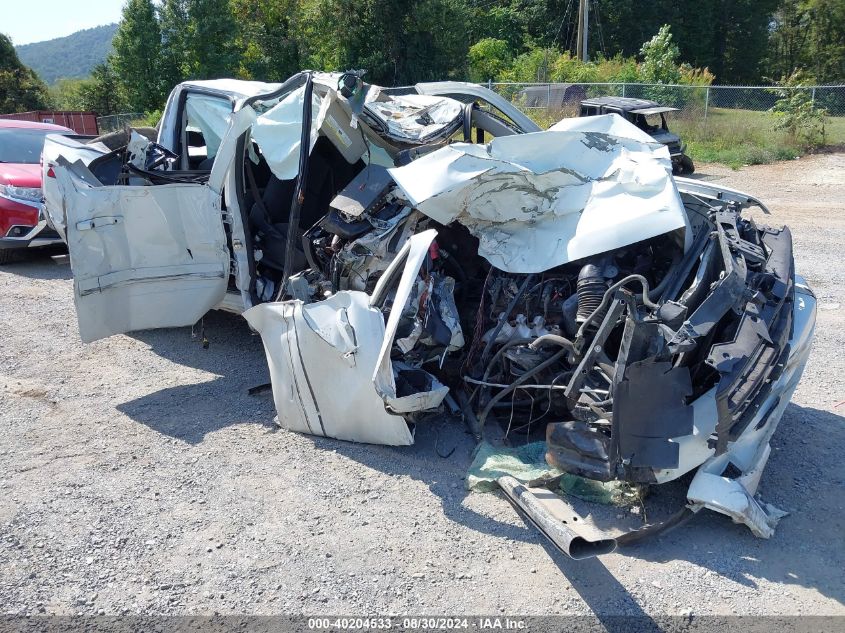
(321, 358)
(136, 150)
(237, 125)
(411, 256)
(730, 497)
(415, 118)
(330, 361)
(536, 201)
(372, 252)
(735, 496)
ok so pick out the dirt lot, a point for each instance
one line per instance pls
(137, 475)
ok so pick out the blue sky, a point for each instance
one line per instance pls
(28, 21)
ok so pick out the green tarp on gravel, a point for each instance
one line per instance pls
(528, 462)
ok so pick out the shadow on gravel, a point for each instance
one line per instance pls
(596, 585)
(46, 263)
(703, 175)
(805, 475)
(602, 592)
(189, 411)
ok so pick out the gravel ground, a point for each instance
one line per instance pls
(137, 476)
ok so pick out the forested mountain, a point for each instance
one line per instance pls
(20, 88)
(73, 56)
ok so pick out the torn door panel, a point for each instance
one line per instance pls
(330, 360)
(321, 367)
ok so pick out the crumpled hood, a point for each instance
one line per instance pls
(537, 201)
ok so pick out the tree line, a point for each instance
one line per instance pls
(398, 42)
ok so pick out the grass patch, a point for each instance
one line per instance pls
(743, 137)
(732, 137)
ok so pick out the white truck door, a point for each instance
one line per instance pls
(143, 257)
(148, 257)
(72, 149)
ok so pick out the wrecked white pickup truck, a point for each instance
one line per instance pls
(434, 251)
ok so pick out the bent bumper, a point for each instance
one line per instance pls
(731, 492)
(37, 236)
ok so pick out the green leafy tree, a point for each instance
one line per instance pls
(98, 93)
(534, 65)
(795, 112)
(20, 87)
(488, 59)
(210, 40)
(660, 58)
(809, 35)
(266, 39)
(137, 49)
(730, 37)
(436, 41)
(660, 66)
(396, 42)
(501, 23)
(740, 42)
(66, 94)
(547, 23)
(827, 40)
(173, 25)
(102, 92)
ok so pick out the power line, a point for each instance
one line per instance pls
(564, 20)
(569, 30)
(598, 24)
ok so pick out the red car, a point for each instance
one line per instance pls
(21, 222)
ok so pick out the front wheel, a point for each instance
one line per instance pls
(8, 255)
(687, 166)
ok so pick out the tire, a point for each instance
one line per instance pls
(687, 166)
(8, 255)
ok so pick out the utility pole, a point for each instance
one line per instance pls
(581, 47)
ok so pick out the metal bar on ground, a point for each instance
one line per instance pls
(557, 531)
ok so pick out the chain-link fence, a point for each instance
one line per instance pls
(737, 105)
(115, 122)
(697, 99)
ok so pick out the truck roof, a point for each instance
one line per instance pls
(236, 88)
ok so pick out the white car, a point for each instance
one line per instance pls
(434, 250)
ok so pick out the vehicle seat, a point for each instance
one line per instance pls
(328, 173)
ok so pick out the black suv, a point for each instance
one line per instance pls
(643, 113)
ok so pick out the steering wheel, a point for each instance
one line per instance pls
(165, 154)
